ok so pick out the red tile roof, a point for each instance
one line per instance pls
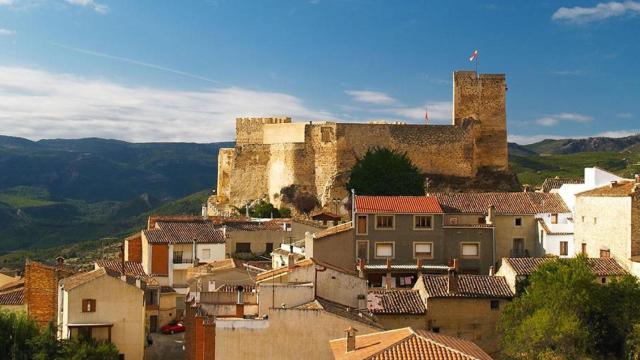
(556, 182)
(506, 203)
(620, 189)
(398, 204)
(334, 230)
(396, 301)
(166, 232)
(132, 268)
(300, 264)
(408, 344)
(340, 310)
(599, 266)
(271, 225)
(12, 297)
(469, 286)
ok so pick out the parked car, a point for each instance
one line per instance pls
(172, 328)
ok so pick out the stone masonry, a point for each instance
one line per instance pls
(273, 153)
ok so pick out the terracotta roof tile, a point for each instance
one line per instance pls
(334, 230)
(12, 297)
(132, 268)
(398, 204)
(470, 286)
(619, 189)
(408, 344)
(508, 203)
(185, 232)
(556, 182)
(340, 310)
(300, 264)
(599, 266)
(272, 225)
(396, 301)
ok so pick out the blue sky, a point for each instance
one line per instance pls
(183, 70)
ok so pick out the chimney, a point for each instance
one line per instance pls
(491, 215)
(240, 302)
(60, 262)
(613, 183)
(122, 268)
(491, 270)
(351, 338)
(361, 268)
(637, 178)
(452, 281)
(419, 268)
(388, 278)
(204, 211)
(224, 231)
(291, 262)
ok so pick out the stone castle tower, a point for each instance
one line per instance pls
(317, 157)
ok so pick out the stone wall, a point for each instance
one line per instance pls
(272, 153)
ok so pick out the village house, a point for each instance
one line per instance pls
(465, 306)
(594, 177)
(103, 305)
(517, 270)
(402, 344)
(403, 230)
(607, 223)
(513, 215)
(396, 308)
(289, 300)
(333, 245)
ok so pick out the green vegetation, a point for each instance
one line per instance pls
(21, 338)
(385, 172)
(565, 314)
(534, 169)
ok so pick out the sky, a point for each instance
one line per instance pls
(160, 70)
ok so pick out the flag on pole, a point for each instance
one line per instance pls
(474, 55)
(426, 114)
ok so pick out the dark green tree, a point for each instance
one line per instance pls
(565, 314)
(263, 209)
(385, 172)
(77, 349)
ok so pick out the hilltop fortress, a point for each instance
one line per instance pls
(273, 153)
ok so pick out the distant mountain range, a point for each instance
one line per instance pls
(57, 192)
(61, 191)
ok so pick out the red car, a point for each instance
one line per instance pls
(172, 328)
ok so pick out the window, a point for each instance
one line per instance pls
(518, 247)
(554, 218)
(605, 253)
(584, 248)
(564, 248)
(423, 250)
(384, 222)
(482, 220)
(206, 253)
(243, 247)
(88, 305)
(435, 329)
(177, 257)
(422, 222)
(603, 280)
(363, 250)
(495, 304)
(453, 221)
(470, 250)
(269, 248)
(151, 297)
(518, 221)
(362, 225)
(384, 250)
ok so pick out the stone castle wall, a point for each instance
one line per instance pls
(272, 153)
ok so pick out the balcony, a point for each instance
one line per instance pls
(182, 260)
(519, 253)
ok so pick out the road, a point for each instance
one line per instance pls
(166, 347)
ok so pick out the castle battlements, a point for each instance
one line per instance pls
(262, 120)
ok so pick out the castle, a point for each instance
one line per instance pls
(273, 153)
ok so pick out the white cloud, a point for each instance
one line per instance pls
(602, 11)
(530, 139)
(371, 97)
(6, 32)
(625, 115)
(37, 104)
(99, 8)
(554, 119)
(6, 2)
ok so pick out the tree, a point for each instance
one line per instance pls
(385, 172)
(565, 314)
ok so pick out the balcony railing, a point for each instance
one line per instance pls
(182, 260)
